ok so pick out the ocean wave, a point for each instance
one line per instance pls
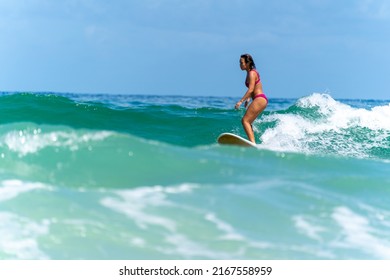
(318, 124)
(314, 124)
(113, 177)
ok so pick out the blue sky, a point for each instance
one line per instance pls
(192, 47)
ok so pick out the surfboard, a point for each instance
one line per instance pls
(233, 139)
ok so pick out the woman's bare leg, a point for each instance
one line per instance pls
(254, 110)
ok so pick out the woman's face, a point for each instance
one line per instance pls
(242, 64)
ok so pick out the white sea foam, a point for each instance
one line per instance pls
(142, 206)
(358, 233)
(26, 142)
(138, 242)
(333, 130)
(135, 203)
(287, 135)
(190, 249)
(308, 228)
(12, 188)
(19, 236)
(228, 231)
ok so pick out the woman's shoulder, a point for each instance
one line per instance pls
(254, 72)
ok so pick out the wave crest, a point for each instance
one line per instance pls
(321, 125)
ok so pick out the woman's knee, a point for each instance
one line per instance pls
(245, 121)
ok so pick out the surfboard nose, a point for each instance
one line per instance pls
(233, 139)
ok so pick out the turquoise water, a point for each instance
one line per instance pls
(141, 177)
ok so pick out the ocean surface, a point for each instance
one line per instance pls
(87, 176)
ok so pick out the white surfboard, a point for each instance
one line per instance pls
(233, 139)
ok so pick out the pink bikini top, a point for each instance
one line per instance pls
(258, 81)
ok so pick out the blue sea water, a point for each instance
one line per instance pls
(141, 177)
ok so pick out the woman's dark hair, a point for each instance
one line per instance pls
(249, 60)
